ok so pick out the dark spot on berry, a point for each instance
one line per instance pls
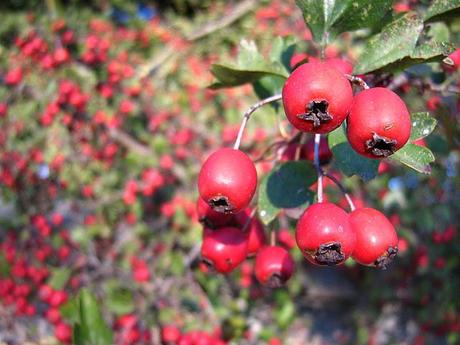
(209, 264)
(276, 281)
(221, 204)
(329, 254)
(207, 223)
(380, 146)
(316, 112)
(385, 260)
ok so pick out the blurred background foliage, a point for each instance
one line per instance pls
(105, 118)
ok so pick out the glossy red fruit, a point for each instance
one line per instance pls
(210, 218)
(227, 180)
(455, 57)
(63, 332)
(170, 335)
(342, 65)
(379, 123)
(254, 230)
(274, 266)
(324, 234)
(316, 98)
(224, 249)
(376, 238)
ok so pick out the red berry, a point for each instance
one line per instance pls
(210, 218)
(224, 249)
(227, 180)
(254, 230)
(13, 76)
(274, 266)
(63, 332)
(296, 59)
(376, 238)
(170, 335)
(455, 57)
(317, 98)
(324, 234)
(379, 123)
(341, 65)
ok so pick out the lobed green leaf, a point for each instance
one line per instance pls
(286, 186)
(347, 160)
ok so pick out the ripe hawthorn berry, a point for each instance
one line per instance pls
(170, 335)
(224, 249)
(254, 230)
(274, 266)
(316, 98)
(376, 238)
(210, 218)
(324, 234)
(379, 123)
(227, 180)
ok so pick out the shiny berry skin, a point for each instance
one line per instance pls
(324, 234)
(376, 238)
(379, 123)
(342, 65)
(316, 98)
(227, 180)
(224, 249)
(274, 266)
(210, 218)
(254, 230)
(170, 335)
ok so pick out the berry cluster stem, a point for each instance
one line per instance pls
(318, 167)
(342, 189)
(358, 81)
(247, 115)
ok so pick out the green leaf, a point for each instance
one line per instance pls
(286, 186)
(69, 311)
(59, 278)
(325, 17)
(427, 52)
(78, 335)
(4, 266)
(250, 66)
(396, 41)
(268, 86)
(422, 125)
(119, 299)
(440, 9)
(438, 32)
(91, 328)
(415, 156)
(285, 314)
(282, 50)
(347, 160)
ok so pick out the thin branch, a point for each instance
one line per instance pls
(247, 115)
(272, 237)
(357, 80)
(342, 189)
(129, 142)
(303, 140)
(317, 164)
(236, 13)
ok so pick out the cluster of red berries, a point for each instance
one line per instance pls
(171, 335)
(229, 238)
(317, 98)
(27, 291)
